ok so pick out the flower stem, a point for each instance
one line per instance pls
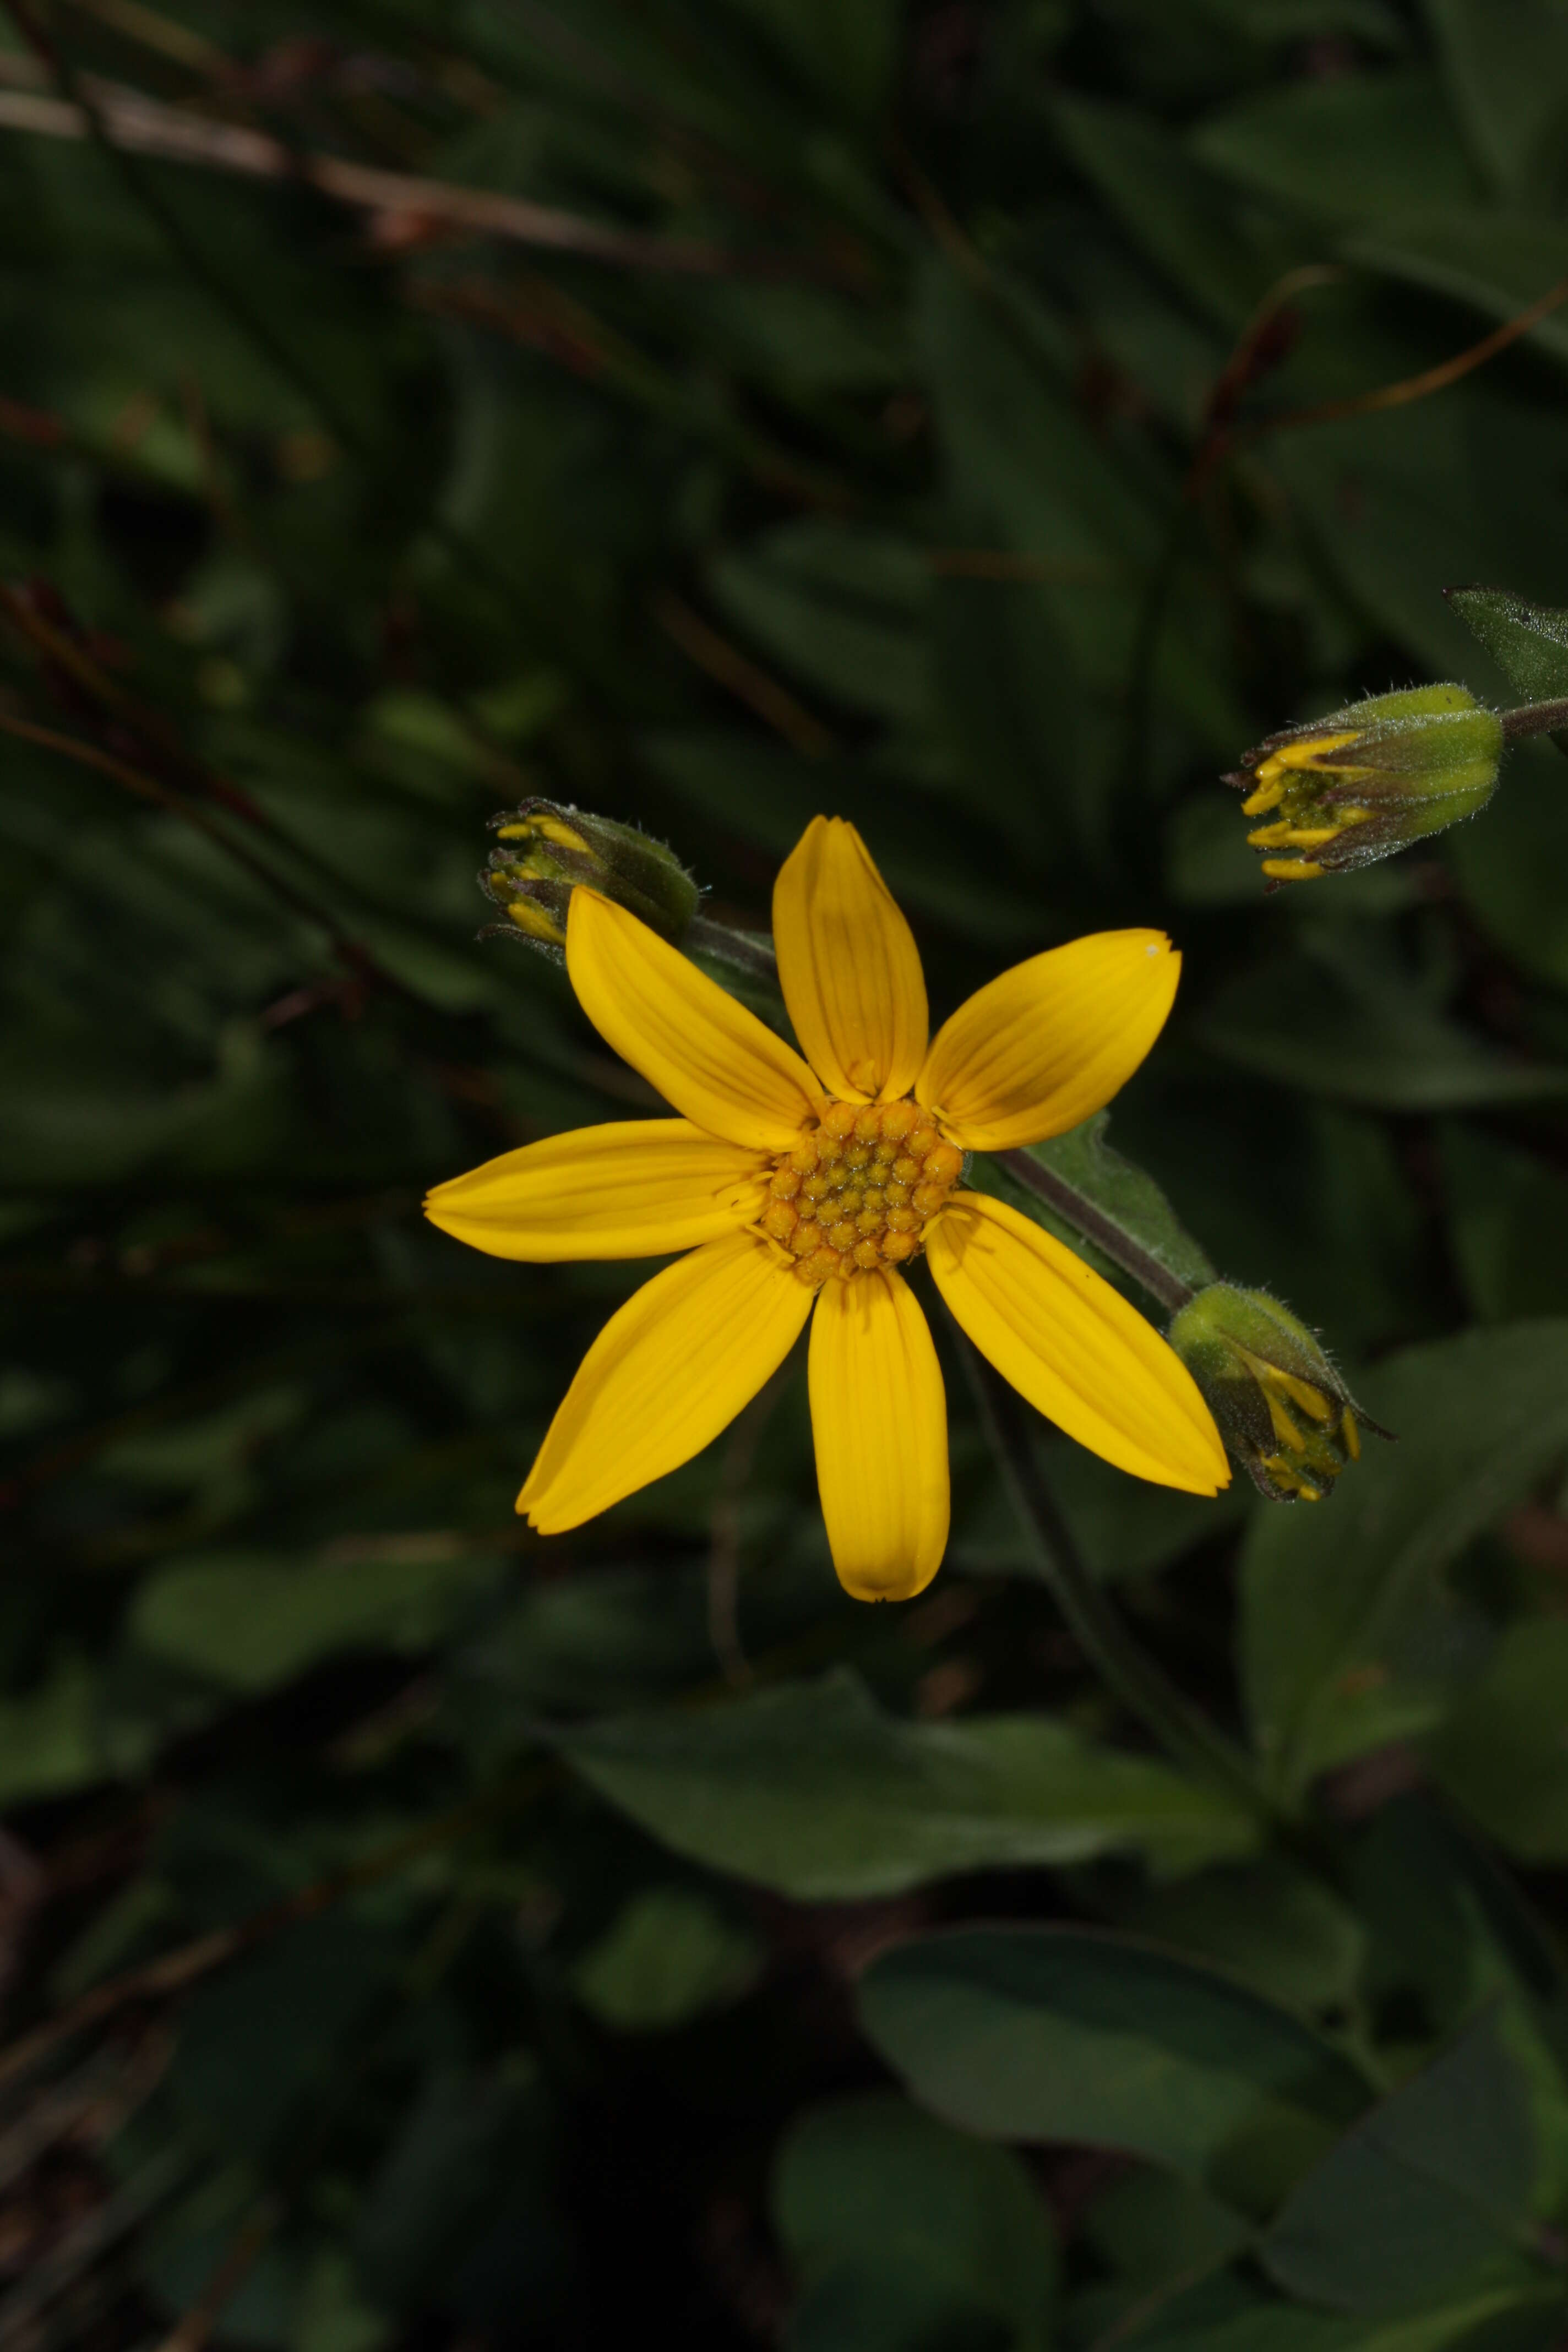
(1139, 1682)
(1534, 718)
(1092, 1223)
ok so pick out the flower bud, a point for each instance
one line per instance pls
(1281, 1407)
(544, 850)
(1361, 782)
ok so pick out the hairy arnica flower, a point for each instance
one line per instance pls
(795, 1184)
(1360, 784)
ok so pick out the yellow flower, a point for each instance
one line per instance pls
(798, 1184)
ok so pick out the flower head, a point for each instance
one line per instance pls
(1361, 782)
(545, 851)
(799, 1185)
(1284, 1410)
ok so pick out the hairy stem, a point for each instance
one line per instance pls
(1534, 718)
(1092, 1223)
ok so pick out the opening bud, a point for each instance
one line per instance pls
(544, 849)
(1360, 784)
(1282, 1408)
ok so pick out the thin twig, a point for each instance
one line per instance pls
(740, 676)
(1413, 388)
(139, 125)
(1141, 1685)
(171, 1972)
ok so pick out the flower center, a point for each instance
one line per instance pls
(859, 1189)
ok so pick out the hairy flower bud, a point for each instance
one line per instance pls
(1281, 1407)
(1359, 784)
(544, 850)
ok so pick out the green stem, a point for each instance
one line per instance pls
(1092, 1223)
(1144, 1688)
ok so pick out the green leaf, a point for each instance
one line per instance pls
(1503, 1752)
(1323, 1588)
(1509, 866)
(914, 2228)
(1119, 1190)
(1267, 1922)
(1507, 69)
(251, 1622)
(1373, 1036)
(1349, 147)
(1428, 2186)
(812, 1790)
(1498, 262)
(669, 1956)
(1530, 642)
(1230, 2315)
(839, 607)
(1510, 1240)
(1042, 2033)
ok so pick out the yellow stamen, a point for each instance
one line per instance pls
(1310, 1400)
(513, 831)
(550, 828)
(1285, 1428)
(1310, 751)
(536, 922)
(1350, 1434)
(834, 1201)
(1266, 796)
(1290, 869)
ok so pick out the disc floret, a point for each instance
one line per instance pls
(859, 1189)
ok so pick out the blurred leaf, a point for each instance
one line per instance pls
(1508, 70)
(916, 2232)
(669, 1956)
(1503, 1752)
(1232, 2315)
(1375, 1035)
(840, 607)
(1428, 2186)
(1265, 1922)
(1509, 1239)
(1354, 147)
(810, 1789)
(252, 1623)
(1507, 866)
(1477, 1418)
(1062, 2035)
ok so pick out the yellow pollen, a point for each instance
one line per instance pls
(1290, 869)
(859, 1189)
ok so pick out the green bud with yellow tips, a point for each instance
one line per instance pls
(1359, 784)
(545, 850)
(1280, 1405)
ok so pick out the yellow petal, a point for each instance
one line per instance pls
(710, 1057)
(1040, 1049)
(1073, 1346)
(848, 966)
(878, 1419)
(633, 1189)
(666, 1374)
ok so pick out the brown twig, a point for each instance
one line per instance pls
(1415, 387)
(145, 126)
(734, 670)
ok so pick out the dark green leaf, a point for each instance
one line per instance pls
(1043, 2034)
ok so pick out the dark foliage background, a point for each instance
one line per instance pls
(894, 411)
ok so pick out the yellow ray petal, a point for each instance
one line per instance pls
(1040, 1048)
(848, 966)
(633, 1189)
(879, 1420)
(1073, 1346)
(710, 1057)
(666, 1374)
